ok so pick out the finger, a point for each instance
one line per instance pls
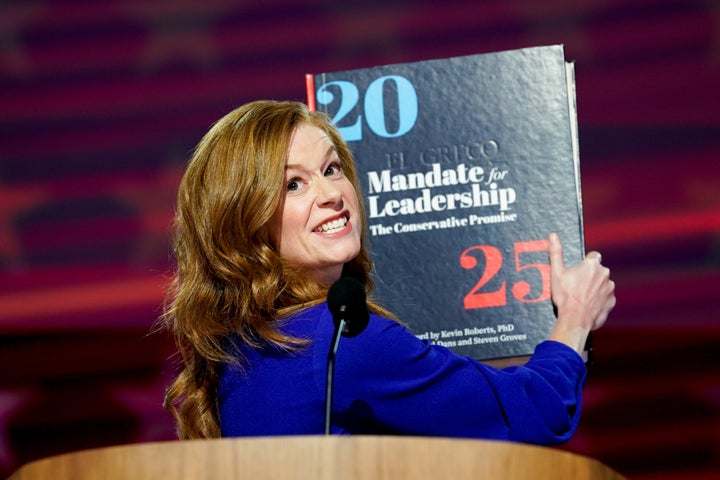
(555, 250)
(594, 256)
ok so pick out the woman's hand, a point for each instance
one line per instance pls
(583, 295)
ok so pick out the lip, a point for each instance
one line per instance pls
(344, 214)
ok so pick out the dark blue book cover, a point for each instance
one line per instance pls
(467, 164)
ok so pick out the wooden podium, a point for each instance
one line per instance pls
(319, 457)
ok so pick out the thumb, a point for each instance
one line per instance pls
(555, 250)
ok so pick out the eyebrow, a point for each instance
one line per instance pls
(328, 154)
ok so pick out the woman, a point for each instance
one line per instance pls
(269, 216)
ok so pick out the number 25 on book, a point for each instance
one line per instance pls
(522, 290)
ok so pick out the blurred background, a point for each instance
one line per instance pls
(102, 102)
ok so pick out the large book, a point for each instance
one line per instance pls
(466, 164)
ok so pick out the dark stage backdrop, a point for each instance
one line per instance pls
(101, 103)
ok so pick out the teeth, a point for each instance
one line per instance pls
(332, 227)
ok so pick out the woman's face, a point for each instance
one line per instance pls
(317, 225)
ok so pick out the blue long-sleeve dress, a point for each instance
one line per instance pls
(387, 381)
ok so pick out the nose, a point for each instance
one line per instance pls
(328, 194)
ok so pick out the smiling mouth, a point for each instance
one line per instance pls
(333, 226)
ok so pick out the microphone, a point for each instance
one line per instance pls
(347, 302)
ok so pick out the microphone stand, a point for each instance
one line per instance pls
(331, 372)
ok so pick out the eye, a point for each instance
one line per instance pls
(293, 185)
(333, 169)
